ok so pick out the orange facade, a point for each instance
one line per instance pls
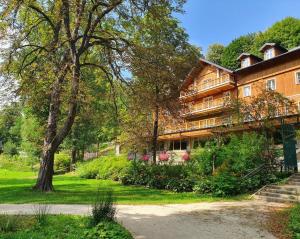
(208, 86)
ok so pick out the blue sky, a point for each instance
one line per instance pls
(220, 21)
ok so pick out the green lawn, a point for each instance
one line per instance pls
(58, 226)
(15, 187)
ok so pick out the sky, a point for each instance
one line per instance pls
(221, 21)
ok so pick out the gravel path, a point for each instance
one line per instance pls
(238, 220)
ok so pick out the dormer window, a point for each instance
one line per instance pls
(245, 62)
(269, 53)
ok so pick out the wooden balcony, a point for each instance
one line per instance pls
(209, 87)
(197, 125)
(205, 108)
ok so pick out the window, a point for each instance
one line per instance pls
(299, 106)
(247, 91)
(208, 102)
(271, 84)
(178, 145)
(297, 77)
(245, 62)
(269, 54)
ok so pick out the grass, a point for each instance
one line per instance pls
(15, 187)
(62, 226)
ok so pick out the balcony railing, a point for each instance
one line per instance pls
(206, 85)
(204, 106)
(199, 124)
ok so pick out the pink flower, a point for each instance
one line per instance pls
(164, 156)
(145, 157)
(186, 156)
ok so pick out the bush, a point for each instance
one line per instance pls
(106, 167)
(17, 163)
(62, 162)
(107, 230)
(171, 177)
(103, 209)
(10, 148)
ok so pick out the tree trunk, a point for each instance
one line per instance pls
(73, 158)
(45, 177)
(155, 135)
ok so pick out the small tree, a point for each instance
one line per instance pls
(263, 113)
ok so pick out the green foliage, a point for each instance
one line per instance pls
(235, 48)
(105, 167)
(31, 134)
(10, 148)
(285, 32)
(171, 177)
(294, 221)
(107, 230)
(60, 226)
(16, 162)
(62, 162)
(103, 208)
(214, 53)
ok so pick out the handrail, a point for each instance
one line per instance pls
(206, 85)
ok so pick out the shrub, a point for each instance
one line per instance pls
(103, 208)
(17, 162)
(62, 162)
(107, 230)
(203, 186)
(171, 177)
(10, 148)
(294, 221)
(106, 167)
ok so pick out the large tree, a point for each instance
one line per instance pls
(215, 52)
(52, 42)
(161, 59)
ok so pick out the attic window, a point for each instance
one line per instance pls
(245, 62)
(269, 53)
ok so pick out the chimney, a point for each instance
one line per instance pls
(271, 50)
(248, 59)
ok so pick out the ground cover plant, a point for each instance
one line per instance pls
(59, 226)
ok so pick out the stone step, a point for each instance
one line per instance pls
(283, 191)
(292, 182)
(283, 187)
(276, 199)
(294, 179)
(278, 195)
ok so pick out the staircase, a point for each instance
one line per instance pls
(286, 193)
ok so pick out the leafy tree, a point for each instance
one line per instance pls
(52, 43)
(214, 53)
(285, 32)
(162, 57)
(235, 48)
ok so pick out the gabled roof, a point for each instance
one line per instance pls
(271, 44)
(197, 68)
(243, 55)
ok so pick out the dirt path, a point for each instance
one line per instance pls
(238, 220)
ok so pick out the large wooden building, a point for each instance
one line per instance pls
(209, 85)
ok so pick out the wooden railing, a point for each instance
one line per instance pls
(204, 106)
(206, 85)
(199, 124)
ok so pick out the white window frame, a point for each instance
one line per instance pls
(297, 81)
(267, 52)
(208, 102)
(250, 91)
(267, 86)
(245, 62)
